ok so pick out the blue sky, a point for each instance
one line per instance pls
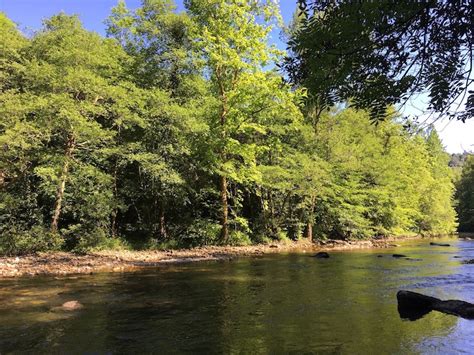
(28, 14)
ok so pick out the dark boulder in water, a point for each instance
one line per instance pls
(440, 244)
(399, 256)
(413, 305)
(321, 255)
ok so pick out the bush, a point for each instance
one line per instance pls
(83, 240)
(202, 232)
(20, 242)
(238, 238)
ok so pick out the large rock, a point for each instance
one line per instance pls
(413, 305)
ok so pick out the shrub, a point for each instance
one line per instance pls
(202, 232)
(20, 242)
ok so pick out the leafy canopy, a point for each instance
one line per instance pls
(378, 53)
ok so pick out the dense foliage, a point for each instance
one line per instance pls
(174, 131)
(380, 53)
(465, 196)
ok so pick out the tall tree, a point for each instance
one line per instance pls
(163, 64)
(439, 190)
(232, 37)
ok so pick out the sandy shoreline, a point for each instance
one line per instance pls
(62, 263)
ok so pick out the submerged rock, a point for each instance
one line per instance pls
(440, 244)
(71, 305)
(471, 261)
(413, 305)
(399, 256)
(321, 255)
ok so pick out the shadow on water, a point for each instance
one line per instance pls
(272, 304)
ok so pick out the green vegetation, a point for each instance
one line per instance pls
(382, 53)
(174, 131)
(465, 196)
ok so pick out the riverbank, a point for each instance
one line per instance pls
(62, 263)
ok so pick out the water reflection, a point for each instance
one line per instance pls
(273, 304)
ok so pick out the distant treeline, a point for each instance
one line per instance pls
(175, 131)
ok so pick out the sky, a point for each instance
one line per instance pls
(28, 14)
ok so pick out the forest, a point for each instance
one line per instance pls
(179, 129)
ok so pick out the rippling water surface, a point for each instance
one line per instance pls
(272, 304)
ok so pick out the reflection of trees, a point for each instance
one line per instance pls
(270, 305)
(345, 304)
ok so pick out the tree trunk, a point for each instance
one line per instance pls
(225, 211)
(115, 210)
(223, 154)
(309, 225)
(273, 224)
(162, 222)
(62, 184)
(309, 231)
(113, 226)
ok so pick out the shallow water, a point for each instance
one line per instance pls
(267, 305)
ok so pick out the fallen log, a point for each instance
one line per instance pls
(412, 306)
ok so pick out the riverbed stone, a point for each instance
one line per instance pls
(71, 305)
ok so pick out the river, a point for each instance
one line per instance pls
(267, 305)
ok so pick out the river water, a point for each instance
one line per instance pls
(276, 304)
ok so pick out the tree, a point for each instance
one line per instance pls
(178, 131)
(70, 95)
(164, 65)
(157, 39)
(232, 39)
(439, 194)
(377, 54)
(465, 196)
